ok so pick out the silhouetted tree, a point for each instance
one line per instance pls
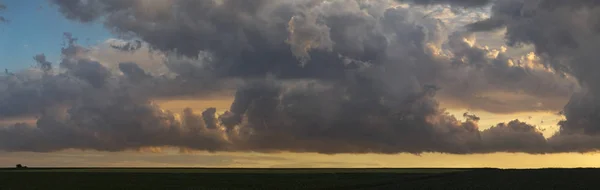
(19, 166)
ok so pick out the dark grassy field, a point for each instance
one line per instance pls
(181, 178)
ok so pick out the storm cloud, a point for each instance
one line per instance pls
(343, 76)
(306, 118)
(483, 78)
(565, 34)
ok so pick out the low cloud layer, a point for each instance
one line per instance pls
(306, 118)
(342, 76)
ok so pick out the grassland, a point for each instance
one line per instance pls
(187, 178)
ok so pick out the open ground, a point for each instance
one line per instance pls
(218, 178)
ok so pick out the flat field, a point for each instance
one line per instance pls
(204, 178)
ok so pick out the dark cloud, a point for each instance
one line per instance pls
(342, 76)
(310, 118)
(108, 124)
(133, 72)
(90, 71)
(479, 72)
(320, 40)
(30, 92)
(461, 3)
(235, 33)
(128, 46)
(209, 117)
(471, 117)
(44, 64)
(485, 25)
(515, 136)
(2, 8)
(361, 114)
(565, 34)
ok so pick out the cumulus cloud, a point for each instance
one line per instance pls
(471, 117)
(515, 136)
(484, 78)
(343, 76)
(565, 34)
(30, 92)
(306, 118)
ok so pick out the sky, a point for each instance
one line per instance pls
(304, 83)
(37, 27)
